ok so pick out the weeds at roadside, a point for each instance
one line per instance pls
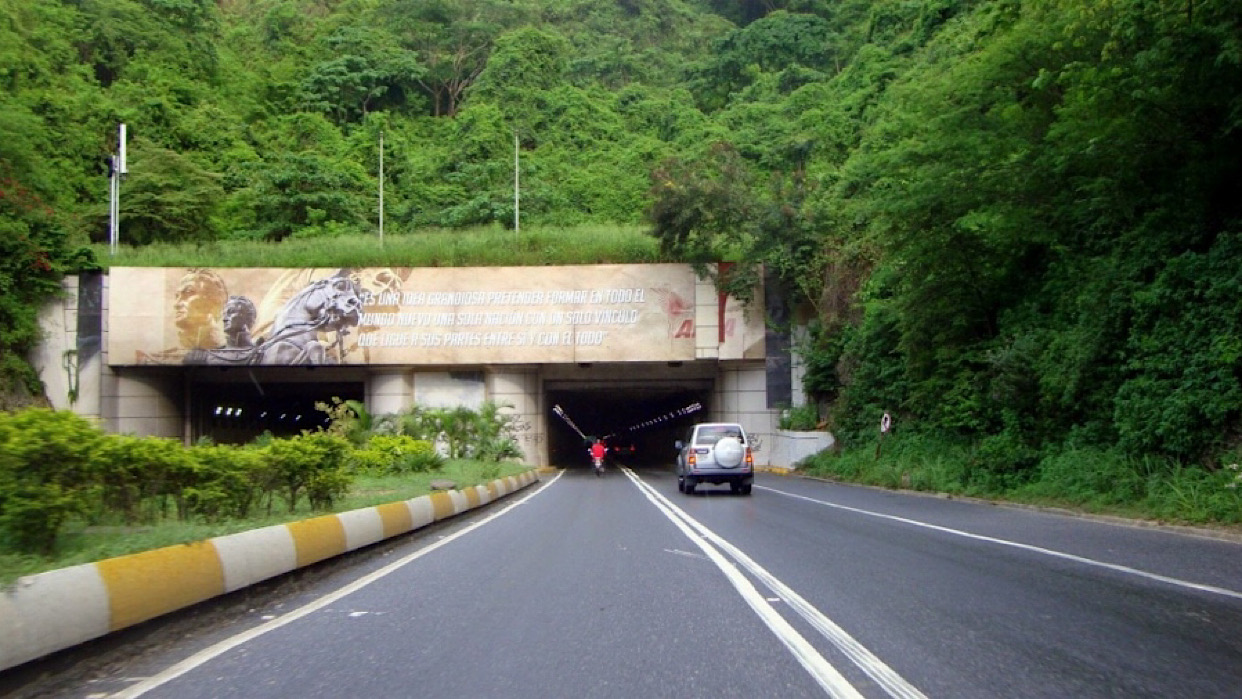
(1092, 480)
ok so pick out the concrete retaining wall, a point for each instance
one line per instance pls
(790, 447)
(41, 614)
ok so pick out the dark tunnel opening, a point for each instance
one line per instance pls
(639, 423)
(237, 413)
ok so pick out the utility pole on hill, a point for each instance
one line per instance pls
(117, 170)
(381, 188)
(516, 192)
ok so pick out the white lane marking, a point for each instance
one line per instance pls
(868, 662)
(228, 644)
(829, 679)
(1025, 547)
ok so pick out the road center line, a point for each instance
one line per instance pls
(228, 644)
(819, 668)
(1025, 547)
(867, 661)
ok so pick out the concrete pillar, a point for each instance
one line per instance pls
(519, 388)
(389, 391)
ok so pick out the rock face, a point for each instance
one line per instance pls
(442, 484)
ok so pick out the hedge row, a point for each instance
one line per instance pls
(56, 466)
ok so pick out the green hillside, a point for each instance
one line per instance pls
(1013, 224)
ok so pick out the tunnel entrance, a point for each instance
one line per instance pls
(639, 421)
(237, 413)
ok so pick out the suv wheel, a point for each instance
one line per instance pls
(689, 487)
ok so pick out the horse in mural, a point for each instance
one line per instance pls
(332, 305)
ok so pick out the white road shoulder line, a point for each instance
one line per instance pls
(1025, 547)
(228, 644)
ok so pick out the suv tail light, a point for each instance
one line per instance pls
(750, 460)
(690, 459)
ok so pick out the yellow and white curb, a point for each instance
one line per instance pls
(778, 470)
(41, 614)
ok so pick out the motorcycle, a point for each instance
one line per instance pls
(598, 462)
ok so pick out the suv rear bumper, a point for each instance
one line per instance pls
(721, 476)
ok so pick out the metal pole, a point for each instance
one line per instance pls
(381, 188)
(119, 168)
(112, 205)
(516, 190)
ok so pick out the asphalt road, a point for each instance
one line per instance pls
(622, 587)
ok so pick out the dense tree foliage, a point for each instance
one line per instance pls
(1038, 186)
(1013, 221)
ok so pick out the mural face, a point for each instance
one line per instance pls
(239, 317)
(199, 299)
(424, 316)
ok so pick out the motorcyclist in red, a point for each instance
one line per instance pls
(598, 449)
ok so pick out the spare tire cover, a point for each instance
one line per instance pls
(729, 452)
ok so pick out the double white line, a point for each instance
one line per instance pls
(824, 673)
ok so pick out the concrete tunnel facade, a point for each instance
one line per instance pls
(636, 352)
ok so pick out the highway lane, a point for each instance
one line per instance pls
(621, 586)
(572, 593)
(971, 600)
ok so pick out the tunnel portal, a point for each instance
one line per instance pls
(237, 413)
(639, 421)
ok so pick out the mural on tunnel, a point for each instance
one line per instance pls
(494, 315)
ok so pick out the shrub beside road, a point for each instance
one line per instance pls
(71, 493)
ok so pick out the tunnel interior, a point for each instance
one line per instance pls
(237, 413)
(638, 422)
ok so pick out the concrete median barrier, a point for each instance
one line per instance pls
(44, 613)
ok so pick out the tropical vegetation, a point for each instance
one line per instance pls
(1014, 225)
(70, 492)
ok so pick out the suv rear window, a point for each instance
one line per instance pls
(709, 435)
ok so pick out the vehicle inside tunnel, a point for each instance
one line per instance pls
(638, 422)
(237, 413)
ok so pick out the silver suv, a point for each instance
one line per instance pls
(715, 452)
